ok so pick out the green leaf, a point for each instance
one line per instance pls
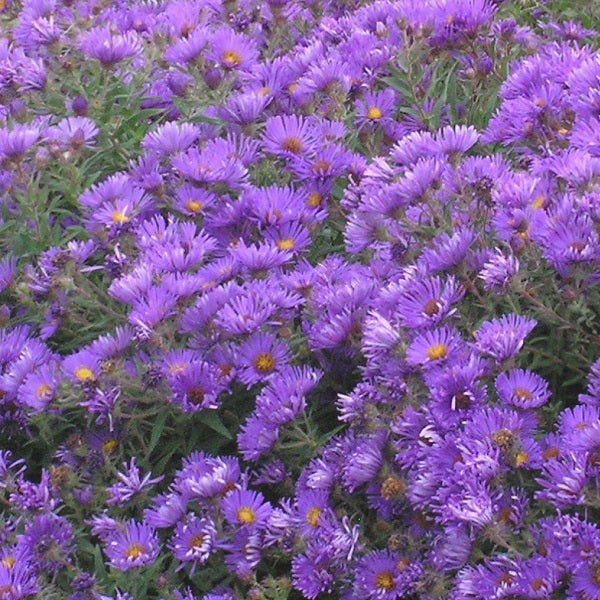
(212, 420)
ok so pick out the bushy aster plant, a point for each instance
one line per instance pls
(299, 300)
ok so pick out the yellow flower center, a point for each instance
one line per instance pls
(42, 390)
(374, 113)
(119, 217)
(437, 351)
(312, 516)
(292, 87)
(109, 445)
(134, 551)
(521, 458)
(264, 91)
(8, 562)
(232, 58)
(245, 515)
(84, 374)
(178, 368)
(314, 199)
(538, 202)
(264, 363)
(196, 541)
(285, 244)
(384, 581)
(193, 206)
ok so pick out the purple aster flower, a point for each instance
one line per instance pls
(522, 389)
(503, 338)
(39, 387)
(536, 577)
(129, 484)
(206, 477)
(456, 140)
(108, 47)
(288, 135)
(17, 582)
(166, 510)
(134, 545)
(564, 480)
(73, 133)
(363, 461)
(246, 509)
(196, 387)
(447, 251)
(16, 141)
(82, 367)
(585, 582)
(233, 51)
(376, 110)
(312, 572)
(456, 391)
(256, 436)
(435, 347)
(310, 508)
(375, 576)
(260, 357)
(170, 138)
(8, 266)
(48, 540)
(193, 541)
(497, 271)
(426, 302)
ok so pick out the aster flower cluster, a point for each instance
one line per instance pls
(298, 300)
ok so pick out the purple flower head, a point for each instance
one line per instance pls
(193, 541)
(522, 389)
(503, 338)
(427, 302)
(166, 510)
(73, 133)
(288, 135)
(108, 47)
(585, 582)
(170, 138)
(376, 110)
(232, 51)
(48, 540)
(497, 271)
(363, 461)
(447, 251)
(375, 576)
(246, 509)
(129, 484)
(135, 545)
(17, 581)
(311, 508)
(260, 357)
(563, 480)
(82, 368)
(435, 347)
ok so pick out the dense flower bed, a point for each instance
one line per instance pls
(299, 300)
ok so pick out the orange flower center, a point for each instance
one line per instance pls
(292, 144)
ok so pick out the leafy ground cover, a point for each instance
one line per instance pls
(299, 300)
